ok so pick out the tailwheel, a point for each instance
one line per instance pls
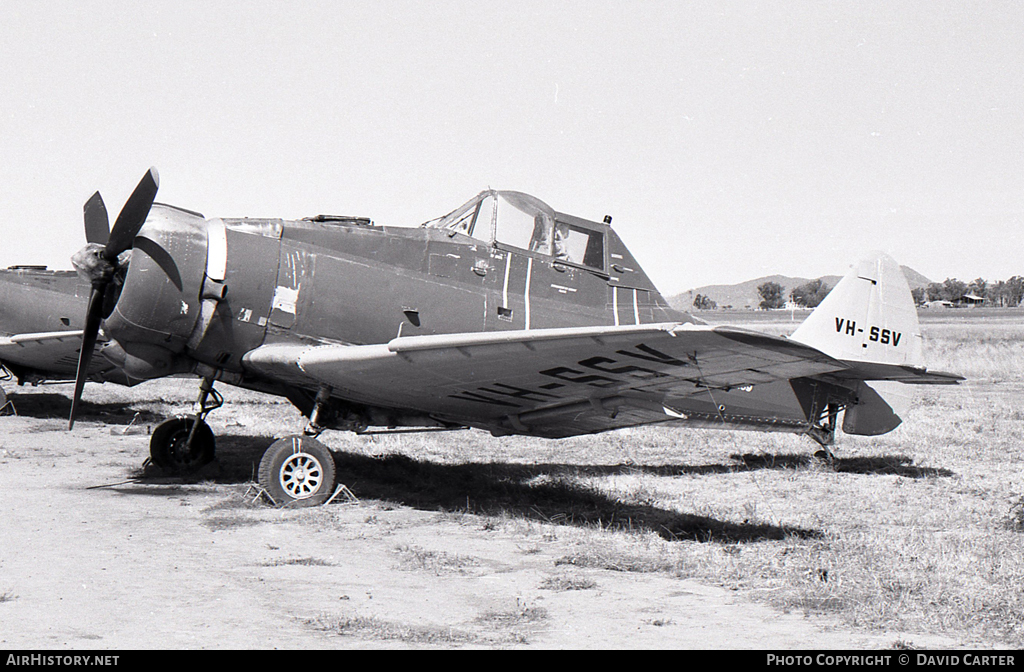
(298, 470)
(170, 449)
(825, 455)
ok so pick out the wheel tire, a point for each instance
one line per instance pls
(298, 471)
(167, 446)
(826, 456)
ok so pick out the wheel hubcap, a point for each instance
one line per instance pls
(178, 451)
(301, 475)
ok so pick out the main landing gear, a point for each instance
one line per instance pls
(185, 444)
(295, 470)
(299, 470)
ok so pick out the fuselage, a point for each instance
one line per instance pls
(342, 280)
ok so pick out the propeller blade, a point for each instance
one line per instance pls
(133, 216)
(93, 316)
(129, 222)
(97, 224)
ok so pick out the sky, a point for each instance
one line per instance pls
(728, 140)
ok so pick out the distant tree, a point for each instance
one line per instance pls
(772, 295)
(919, 295)
(978, 287)
(1004, 293)
(997, 293)
(810, 294)
(701, 302)
(953, 289)
(1014, 290)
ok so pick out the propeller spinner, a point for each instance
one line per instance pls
(99, 261)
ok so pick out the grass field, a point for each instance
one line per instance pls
(920, 530)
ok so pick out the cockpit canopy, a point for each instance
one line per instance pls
(518, 220)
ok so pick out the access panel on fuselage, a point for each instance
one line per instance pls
(400, 285)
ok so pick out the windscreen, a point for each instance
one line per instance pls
(525, 222)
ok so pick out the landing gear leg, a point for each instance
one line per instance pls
(299, 470)
(314, 428)
(825, 435)
(184, 444)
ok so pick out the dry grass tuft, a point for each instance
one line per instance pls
(564, 582)
(378, 629)
(1016, 517)
(307, 562)
(522, 614)
(435, 562)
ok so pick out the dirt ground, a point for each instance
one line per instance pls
(92, 558)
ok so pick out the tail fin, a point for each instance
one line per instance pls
(868, 317)
(870, 323)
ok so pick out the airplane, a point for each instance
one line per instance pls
(41, 329)
(503, 315)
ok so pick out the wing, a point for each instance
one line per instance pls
(53, 355)
(554, 382)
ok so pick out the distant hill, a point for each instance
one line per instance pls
(744, 294)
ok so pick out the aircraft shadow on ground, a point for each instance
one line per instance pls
(49, 405)
(897, 465)
(550, 493)
(546, 493)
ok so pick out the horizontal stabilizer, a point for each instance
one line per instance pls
(910, 375)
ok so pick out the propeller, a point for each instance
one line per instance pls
(97, 226)
(100, 257)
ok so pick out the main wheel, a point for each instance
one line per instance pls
(169, 449)
(298, 470)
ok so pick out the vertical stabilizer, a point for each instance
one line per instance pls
(868, 317)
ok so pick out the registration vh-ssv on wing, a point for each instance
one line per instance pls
(503, 315)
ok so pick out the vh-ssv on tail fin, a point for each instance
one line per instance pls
(869, 322)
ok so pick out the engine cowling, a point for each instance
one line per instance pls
(159, 304)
